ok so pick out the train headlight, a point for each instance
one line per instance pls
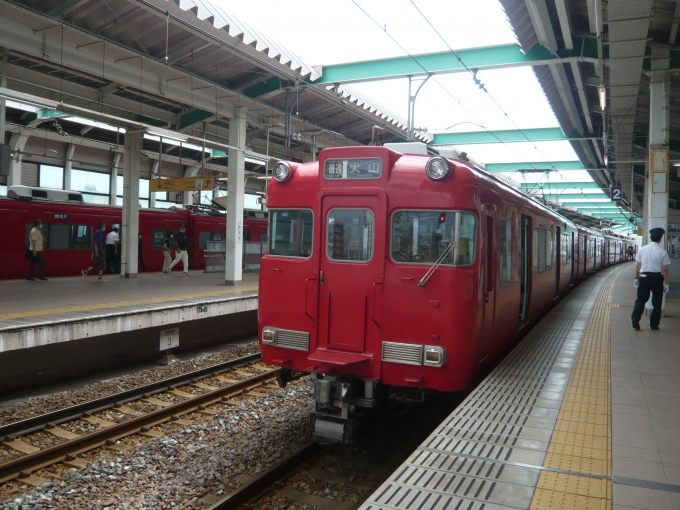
(268, 336)
(437, 168)
(434, 356)
(282, 171)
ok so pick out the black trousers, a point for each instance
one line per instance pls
(112, 259)
(141, 261)
(38, 259)
(649, 282)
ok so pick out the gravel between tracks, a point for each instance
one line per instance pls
(54, 402)
(176, 470)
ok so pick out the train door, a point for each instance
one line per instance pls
(585, 255)
(571, 260)
(351, 268)
(525, 267)
(489, 273)
(558, 259)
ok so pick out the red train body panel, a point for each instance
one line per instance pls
(16, 216)
(367, 321)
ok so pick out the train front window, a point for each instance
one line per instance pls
(350, 235)
(290, 232)
(421, 237)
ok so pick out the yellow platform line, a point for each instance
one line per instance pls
(121, 304)
(581, 442)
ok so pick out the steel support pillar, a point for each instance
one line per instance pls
(233, 272)
(130, 223)
(68, 166)
(154, 175)
(113, 182)
(656, 196)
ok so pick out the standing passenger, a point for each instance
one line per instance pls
(181, 245)
(629, 252)
(112, 248)
(139, 253)
(99, 260)
(167, 253)
(651, 272)
(36, 239)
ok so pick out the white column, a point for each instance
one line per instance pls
(68, 165)
(130, 224)
(154, 175)
(4, 70)
(656, 195)
(17, 142)
(113, 182)
(236, 190)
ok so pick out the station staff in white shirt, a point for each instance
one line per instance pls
(112, 251)
(651, 275)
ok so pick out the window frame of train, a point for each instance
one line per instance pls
(212, 235)
(544, 241)
(77, 242)
(157, 241)
(272, 231)
(505, 250)
(458, 216)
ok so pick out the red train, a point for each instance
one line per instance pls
(69, 224)
(398, 274)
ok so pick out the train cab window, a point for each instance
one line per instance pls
(506, 251)
(290, 232)
(350, 235)
(545, 249)
(422, 237)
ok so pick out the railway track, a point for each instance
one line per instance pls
(172, 398)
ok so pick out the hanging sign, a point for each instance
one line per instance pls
(181, 184)
(169, 339)
(616, 193)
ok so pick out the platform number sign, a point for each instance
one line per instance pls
(169, 339)
(616, 193)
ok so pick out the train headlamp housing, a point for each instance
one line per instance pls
(437, 168)
(434, 356)
(269, 336)
(282, 171)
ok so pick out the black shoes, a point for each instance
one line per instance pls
(655, 328)
(30, 279)
(636, 325)
(42, 279)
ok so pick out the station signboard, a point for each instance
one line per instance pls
(616, 193)
(181, 184)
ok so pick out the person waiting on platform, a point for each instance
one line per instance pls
(181, 245)
(168, 244)
(140, 260)
(651, 275)
(630, 252)
(36, 240)
(98, 258)
(112, 248)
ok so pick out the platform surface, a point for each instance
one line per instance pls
(29, 309)
(584, 413)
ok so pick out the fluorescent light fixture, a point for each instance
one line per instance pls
(166, 133)
(602, 90)
(30, 99)
(606, 160)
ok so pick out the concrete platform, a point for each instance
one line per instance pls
(584, 413)
(116, 321)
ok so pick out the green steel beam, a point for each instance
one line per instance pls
(561, 185)
(539, 165)
(492, 57)
(507, 135)
(265, 87)
(192, 117)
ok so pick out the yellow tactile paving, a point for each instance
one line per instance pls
(581, 441)
(121, 303)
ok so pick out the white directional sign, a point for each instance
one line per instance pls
(169, 339)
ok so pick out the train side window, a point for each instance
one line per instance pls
(566, 249)
(158, 236)
(63, 237)
(60, 236)
(422, 237)
(506, 251)
(290, 232)
(209, 235)
(350, 235)
(81, 237)
(545, 249)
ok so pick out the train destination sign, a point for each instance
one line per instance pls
(354, 168)
(181, 184)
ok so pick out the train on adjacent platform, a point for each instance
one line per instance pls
(69, 224)
(393, 272)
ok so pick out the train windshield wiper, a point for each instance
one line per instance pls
(436, 264)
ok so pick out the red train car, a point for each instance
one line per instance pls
(68, 225)
(398, 274)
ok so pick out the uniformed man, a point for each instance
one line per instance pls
(651, 275)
